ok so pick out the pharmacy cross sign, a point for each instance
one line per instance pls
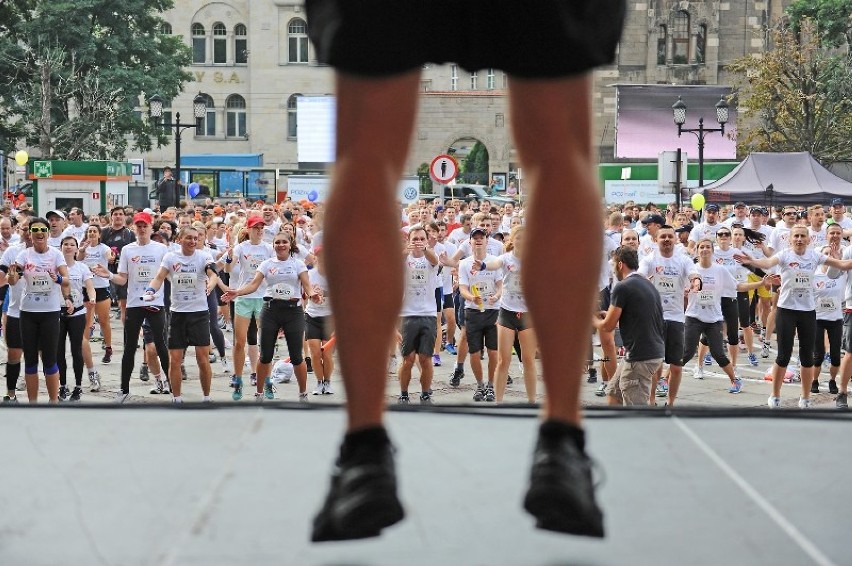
(43, 169)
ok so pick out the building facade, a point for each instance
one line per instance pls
(252, 59)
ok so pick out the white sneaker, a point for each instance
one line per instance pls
(95, 381)
(22, 385)
(774, 402)
(327, 390)
(804, 403)
(211, 357)
(223, 362)
(601, 390)
(121, 398)
(393, 364)
(698, 372)
(737, 373)
(320, 389)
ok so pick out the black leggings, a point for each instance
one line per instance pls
(133, 320)
(788, 323)
(40, 333)
(693, 328)
(73, 327)
(275, 316)
(834, 329)
(215, 331)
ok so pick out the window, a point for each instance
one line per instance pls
(662, 41)
(454, 77)
(473, 79)
(207, 125)
(220, 43)
(505, 81)
(680, 38)
(199, 44)
(235, 116)
(297, 35)
(292, 130)
(167, 116)
(166, 28)
(701, 45)
(240, 44)
(489, 81)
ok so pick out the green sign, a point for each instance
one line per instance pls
(43, 169)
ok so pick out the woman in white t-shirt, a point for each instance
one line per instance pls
(92, 252)
(828, 298)
(47, 290)
(513, 318)
(796, 307)
(72, 326)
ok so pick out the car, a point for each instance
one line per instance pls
(469, 192)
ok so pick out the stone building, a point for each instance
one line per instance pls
(252, 59)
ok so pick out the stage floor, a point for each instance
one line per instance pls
(239, 485)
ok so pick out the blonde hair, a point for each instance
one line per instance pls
(510, 245)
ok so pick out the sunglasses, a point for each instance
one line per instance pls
(43, 230)
(723, 234)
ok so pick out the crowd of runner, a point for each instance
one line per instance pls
(728, 280)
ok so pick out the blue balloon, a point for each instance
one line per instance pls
(194, 189)
(313, 196)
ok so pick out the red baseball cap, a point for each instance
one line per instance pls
(254, 221)
(143, 217)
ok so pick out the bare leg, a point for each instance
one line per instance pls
(374, 123)
(505, 340)
(175, 378)
(426, 372)
(554, 144)
(238, 354)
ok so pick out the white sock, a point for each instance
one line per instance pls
(178, 399)
(208, 398)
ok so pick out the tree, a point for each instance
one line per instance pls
(75, 74)
(475, 165)
(796, 97)
(833, 19)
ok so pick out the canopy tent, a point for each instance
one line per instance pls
(794, 178)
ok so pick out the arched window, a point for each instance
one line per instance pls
(297, 41)
(199, 44)
(166, 28)
(292, 130)
(680, 38)
(235, 116)
(662, 41)
(220, 43)
(207, 125)
(701, 45)
(240, 44)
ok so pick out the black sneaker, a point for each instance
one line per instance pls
(426, 398)
(7, 399)
(144, 374)
(593, 376)
(362, 499)
(509, 380)
(479, 394)
(403, 399)
(308, 365)
(832, 386)
(815, 386)
(458, 374)
(63, 393)
(76, 394)
(489, 393)
(841, 402)
(561, 495)
(107, 355)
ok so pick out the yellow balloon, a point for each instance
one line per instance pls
(697, 201)
(21, 158)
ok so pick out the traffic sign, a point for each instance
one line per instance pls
(444, 168)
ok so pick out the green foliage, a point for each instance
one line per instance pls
(75, 71)
(474, 168)
(425, 179)
(796, 97)
(833, 19)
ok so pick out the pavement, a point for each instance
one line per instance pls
(712, 391)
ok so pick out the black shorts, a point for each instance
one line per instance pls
(517, 321)
(189, 329)
(318, 328)
(674, 342)
(102, 294)
(481, 329)
(418, 335)
(439, 299)
(448, 302)
(120, 292)
(533, 39)
(12, 331)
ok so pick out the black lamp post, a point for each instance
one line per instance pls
(199, 107)
(679, 110)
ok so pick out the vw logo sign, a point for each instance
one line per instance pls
(410, 193)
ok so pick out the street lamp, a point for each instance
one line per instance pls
(155, 109)
(679, 110)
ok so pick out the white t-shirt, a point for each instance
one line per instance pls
(78, 274)
(77, 233)
(704, 230)
(458, 236)
(512, 298)
(647, 245)
(141, 264)
(98, 255)
(486, 281)
(249, 257)
(419, 297)
(817, 237)
(780, 238)
(492, 247)
(609, 246)
(282, 278)
(320, 285)
(737, 271)
(706, 304)
(797, 279)
(189, 280)
(671, 277)
(270, 231)
(828, 295)
(41, 293)
(16, 291)
(447, 271)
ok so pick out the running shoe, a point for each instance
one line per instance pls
(269, 389)
(708, 360)
(451, 349)
(509, 380)
(320, 388)
(95, 381)
(7, 399)
(253, 379)
(183, 375)
(764, 353)
(309, 365)
(303, 397)
(393, 365)
(436, 360)
(403, 399)
(774, 402)
(327, 390)
(177, 401)
(698, 372)
(841, 402)
(561, 494)
(456, 378)
(489, 393)
(107, 355)
(21, 385)
(258, 397)
(157, 389)
(479, 394)
(601, 390)
(233, 381)
(737, 374)
(76, 394)
(426, 398)
(238, 389)
(737, 386)
(804, 403)
(662, 387)
(63, 393)
(815, 386)
(223, 363)
(167, 387)
(593, 376)
(832, 386)
(211, 357)
(144, 375)
(363, 498)
(121, 397)
(752, 359)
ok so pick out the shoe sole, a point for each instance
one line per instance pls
(559, 514)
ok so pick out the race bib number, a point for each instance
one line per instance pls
(144, 273)
(185, 282)
(417, 280)
(802, 280)
(706, 298)
(826, 304)
(664, 285)
(76, 297)
(283, 291)
(486, 289)
(39, 283)
(514, 285)
(741, 277)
